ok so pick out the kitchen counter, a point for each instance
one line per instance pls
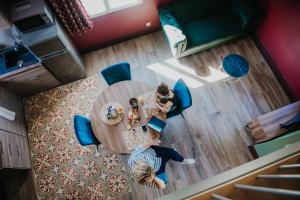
(20, 70)
(15, 58)
(22, 73)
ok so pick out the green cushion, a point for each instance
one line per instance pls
(166, 18)
(172, 29)
(208, 29)
(276, 144)
(189, 10)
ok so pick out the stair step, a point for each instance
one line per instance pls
(219, 197)
(280, 176)
(289, 166)
(277, 191)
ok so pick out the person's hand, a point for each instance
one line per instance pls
(156, 142)
(163, 109)
(158, 106)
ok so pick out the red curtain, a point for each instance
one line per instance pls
(73, 15)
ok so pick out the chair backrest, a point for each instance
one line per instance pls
(116, 73)
(83, 131)
(183, 93)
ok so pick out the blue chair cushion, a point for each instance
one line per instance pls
(83, 131)
(116, 73)
(163, 177)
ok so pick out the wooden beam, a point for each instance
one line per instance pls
(280, 176)
(219, 197)
(289, 166)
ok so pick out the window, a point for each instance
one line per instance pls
(101, 7)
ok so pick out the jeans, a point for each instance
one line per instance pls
(166, 154)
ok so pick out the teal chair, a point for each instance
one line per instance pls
(84, 132)
(116, 73)
(183, 93)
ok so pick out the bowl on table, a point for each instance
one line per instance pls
(112, 113)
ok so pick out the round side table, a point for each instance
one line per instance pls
(235, 65)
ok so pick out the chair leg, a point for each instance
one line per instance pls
(182, 116)
(247, 128)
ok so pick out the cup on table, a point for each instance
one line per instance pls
(134, 109)
(134, 103)
(141, 99)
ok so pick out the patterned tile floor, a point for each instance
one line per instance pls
(63, 168)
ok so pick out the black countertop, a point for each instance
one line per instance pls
(10, 59)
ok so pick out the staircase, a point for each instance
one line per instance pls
(280, 180)
(275, 177)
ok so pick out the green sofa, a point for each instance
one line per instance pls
(194, 25)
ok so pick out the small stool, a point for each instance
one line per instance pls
(236, 66)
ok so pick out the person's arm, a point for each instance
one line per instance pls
(160, 184)
(157, 183)
(165, 108)
(155, 142)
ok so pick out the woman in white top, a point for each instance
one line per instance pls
(147, 163)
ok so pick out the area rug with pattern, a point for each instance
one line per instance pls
(63, 168)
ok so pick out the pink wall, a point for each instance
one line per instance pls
(120, 25)
(280, 35)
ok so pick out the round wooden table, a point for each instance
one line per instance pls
(111, 136)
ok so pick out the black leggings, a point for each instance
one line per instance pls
(166, 154)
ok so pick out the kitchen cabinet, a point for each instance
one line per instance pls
(56, 52)
(16, 177)
(28, 82)
(59, 65)
(4, 149)
(14, 149)
(11, 102)
(19, 154)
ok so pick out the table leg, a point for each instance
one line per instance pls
(232, 79)
(220, 67)
(228, 79)
(237, 80)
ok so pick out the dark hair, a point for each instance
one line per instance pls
(163, 89)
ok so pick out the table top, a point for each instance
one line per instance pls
(112, 136)
(235, 65)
